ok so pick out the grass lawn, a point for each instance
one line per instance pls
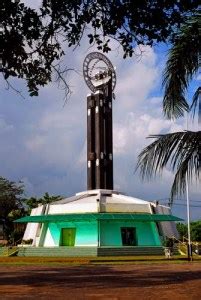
(95, 260)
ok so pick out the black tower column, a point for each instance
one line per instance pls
(91, 142)
(108, 137)
(100, 77)
(100, 138)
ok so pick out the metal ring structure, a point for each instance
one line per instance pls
(87, 71)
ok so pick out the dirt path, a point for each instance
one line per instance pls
(155, 281)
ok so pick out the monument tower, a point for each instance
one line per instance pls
(100, 77)
(100, 222)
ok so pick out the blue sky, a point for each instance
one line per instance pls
(43, 141)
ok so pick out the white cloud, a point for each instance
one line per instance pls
(136, 79)
(32, 4)
(131, 134)
(36, 143)
(4, 126)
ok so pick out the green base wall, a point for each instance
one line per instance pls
(110, 233)
(147, 233)
(86, 233)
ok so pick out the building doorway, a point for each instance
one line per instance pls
(128, 236)
(67, 237)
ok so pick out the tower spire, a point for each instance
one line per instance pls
(99, 121)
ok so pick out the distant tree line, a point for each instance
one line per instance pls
(13, 205)
(195, 230)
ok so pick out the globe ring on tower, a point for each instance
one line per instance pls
(90, 64)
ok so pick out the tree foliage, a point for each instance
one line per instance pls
(10, 196)
(33, 41)
(180, 150)
(195, 230)
(14, 206)
(182, 230)
(10, 202)
(181, 66)
(34, 202)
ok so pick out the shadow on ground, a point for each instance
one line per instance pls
(99, 276)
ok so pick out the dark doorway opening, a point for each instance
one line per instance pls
(128, 236)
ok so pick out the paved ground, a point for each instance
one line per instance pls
(141, 281)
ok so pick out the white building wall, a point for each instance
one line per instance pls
(33, 228)
(49, 241)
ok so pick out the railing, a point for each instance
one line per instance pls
(194, 245)
(17, 242)
(10, 249)
(183, 246)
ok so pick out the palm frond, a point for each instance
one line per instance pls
(180, 68)
(195, 102)
(180, 150)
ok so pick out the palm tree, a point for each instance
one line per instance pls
(182, 64)
(48, 199)
(34, 202)
(180, 150)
